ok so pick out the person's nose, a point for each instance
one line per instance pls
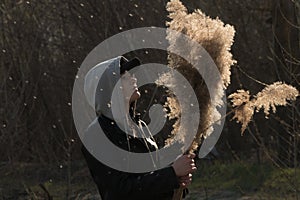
(134, 80)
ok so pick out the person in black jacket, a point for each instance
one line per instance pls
(114, 184)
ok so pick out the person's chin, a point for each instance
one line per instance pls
(135, 95)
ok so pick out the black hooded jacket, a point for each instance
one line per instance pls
(114, 184)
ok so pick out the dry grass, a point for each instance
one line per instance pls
(216, 38)
(276, 94)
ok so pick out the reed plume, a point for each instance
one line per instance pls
(216, 38)
(276, 94)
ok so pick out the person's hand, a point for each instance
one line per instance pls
(184, 165)
(186, 180)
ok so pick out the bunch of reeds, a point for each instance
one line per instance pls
(216, 38)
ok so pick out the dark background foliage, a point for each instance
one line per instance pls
(43, 42)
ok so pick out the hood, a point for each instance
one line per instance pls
(103, 91)
(100, 82)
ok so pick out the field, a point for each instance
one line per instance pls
(218, 180)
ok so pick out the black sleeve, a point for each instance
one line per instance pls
(157, 182)
(130, 184)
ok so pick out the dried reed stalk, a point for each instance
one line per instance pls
(216, 38)
(276, 94)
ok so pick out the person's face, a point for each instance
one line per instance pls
(130, 89)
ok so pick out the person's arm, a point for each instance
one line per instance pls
(152, 183)
(157, 182)
(135, 185)
(129, 184)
